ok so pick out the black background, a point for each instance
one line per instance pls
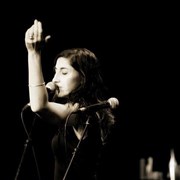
(138, 45)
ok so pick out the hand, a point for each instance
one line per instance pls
(34, 39)
(75, 107)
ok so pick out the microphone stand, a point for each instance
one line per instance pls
(76, 148)
(27, 143)
(22, 157)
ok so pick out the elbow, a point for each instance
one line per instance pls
(36, 108)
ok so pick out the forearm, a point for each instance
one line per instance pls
(37, 90)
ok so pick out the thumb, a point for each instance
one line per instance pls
(46, 39)
(75, 107)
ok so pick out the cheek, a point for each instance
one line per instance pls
(74, 83)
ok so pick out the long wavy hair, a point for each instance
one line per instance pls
(92, 89)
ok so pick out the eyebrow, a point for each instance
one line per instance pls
(60, 68)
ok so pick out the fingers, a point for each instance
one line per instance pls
(38, 30)
(29, 35)
(34, 33)
(75, 107)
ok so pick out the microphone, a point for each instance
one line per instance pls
(51, 88)
(111, 103)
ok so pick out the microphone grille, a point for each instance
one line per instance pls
(114, 102)
(51, 86)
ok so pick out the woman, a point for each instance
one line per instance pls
(77, 83)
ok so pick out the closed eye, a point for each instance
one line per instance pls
(62, 71)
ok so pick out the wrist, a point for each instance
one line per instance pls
(36, 85)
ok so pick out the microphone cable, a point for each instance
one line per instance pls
(27, 142)
(78, 144)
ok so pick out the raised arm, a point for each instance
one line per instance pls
(37, 90)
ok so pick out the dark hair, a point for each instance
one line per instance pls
(92, 89)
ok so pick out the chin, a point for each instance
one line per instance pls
(62, 95)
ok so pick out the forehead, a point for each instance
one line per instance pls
(62, 62)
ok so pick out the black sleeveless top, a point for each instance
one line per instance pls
(77, 159)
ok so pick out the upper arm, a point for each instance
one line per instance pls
(56, 113)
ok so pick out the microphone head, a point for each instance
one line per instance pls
(113, 102)
(51, 86)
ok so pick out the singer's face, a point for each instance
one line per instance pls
(66, 77)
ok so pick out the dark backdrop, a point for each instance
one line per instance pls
(139, 51)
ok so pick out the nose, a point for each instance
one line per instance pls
(56, 78)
